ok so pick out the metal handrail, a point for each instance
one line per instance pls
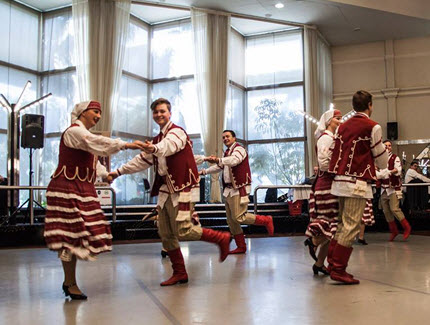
(32, 188)
(259, 187)
(309, 186)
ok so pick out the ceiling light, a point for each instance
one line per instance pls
(279, 5)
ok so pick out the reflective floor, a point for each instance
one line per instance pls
(272, 284)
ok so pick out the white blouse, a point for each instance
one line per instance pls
(81, 138)
(325, 146)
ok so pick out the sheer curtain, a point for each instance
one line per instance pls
(210, 35)
(101, 30)
(318, 83)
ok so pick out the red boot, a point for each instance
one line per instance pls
(406, 228)
(266, 221)
(340, 260)
(241, 245)
(179, 273)
(393, 229)
(331, 247)
(221, 238)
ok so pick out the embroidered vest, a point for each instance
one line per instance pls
(182, 173)
(75, 163)
(393, 181)
(352, 154)
(241, 173)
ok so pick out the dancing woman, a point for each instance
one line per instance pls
(323, 206)
(75, 225)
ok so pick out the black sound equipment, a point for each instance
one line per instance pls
(392, 133)
(32, 126)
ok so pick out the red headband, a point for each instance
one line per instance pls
(94, 105)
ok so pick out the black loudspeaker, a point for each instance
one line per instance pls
(32, 131)
(392, 133)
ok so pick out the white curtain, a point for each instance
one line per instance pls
(318, 83)
(211, 35)
(101, 30)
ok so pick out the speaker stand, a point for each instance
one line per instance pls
(30, 182)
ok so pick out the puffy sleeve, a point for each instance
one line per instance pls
(398, 166)
(81, 138)
(175, 141)
(238, 155)
(140, 162)
(325, 146)
(101, 170)
(380, 155)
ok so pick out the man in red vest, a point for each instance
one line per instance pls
(391, 191)
(237, 186)
(175, 184)
(358, 148)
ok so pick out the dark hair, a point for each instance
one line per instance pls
(414, 162)
(159, 101)
(233, 134)
(361, 100)
(386, 140)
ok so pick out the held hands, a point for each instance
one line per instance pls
(135, 145)
(212, 159)
(111, 177)
(148, 147)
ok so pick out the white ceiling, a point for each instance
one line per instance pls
(340, 21)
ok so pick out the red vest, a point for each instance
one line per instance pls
(393, 181)
(241, 173)
(75, 163)
(182, 170)
(352, 154)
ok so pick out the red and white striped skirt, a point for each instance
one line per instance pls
(323, 208)
(368, 218)
(74, 219)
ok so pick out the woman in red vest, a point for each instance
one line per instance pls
(75, 225)
(323, 206)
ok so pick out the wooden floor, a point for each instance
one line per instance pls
(272, 284)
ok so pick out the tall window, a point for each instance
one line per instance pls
(131, 120)
(275, 91)
(235, 106)
(18, 63)
(173, 73)
(58, 76)
(157, 64)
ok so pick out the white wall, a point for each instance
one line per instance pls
(397, 73)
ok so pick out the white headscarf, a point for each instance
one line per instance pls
(83, 106)
(325, 121)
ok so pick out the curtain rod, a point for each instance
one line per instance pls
(236, 15)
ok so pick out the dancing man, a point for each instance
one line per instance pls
(323, 206)
(75, 226)
(358, 148)
(391, 192)
(236, 178)
(175, 184)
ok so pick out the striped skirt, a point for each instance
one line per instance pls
(323, 208)
(75, 223)
(368, 218)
